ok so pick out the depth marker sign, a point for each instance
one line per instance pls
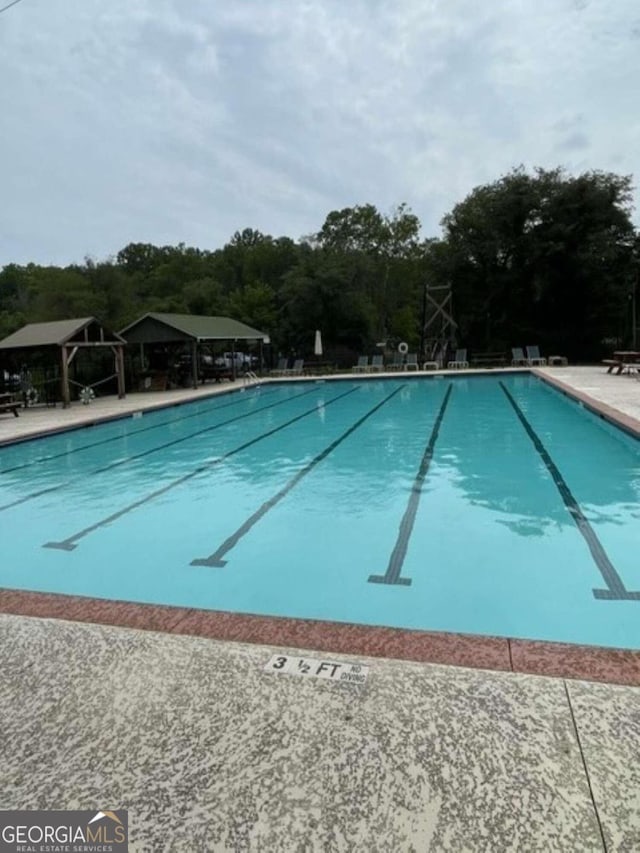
(347, 673)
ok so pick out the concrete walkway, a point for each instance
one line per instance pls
(38, 419)
(620, 392)
(209, 752)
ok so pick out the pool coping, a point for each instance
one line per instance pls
(627, 423)
(539, 657)
(508, 654)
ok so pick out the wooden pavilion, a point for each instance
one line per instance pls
(68, 338)
(191, 330)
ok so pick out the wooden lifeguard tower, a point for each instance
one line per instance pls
(439, 329)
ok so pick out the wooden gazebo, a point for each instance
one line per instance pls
(69, 337)
(191, 330)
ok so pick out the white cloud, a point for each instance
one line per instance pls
(167, 121)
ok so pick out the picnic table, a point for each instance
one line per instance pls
(623, 361)
(8, 404)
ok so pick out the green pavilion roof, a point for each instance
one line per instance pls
(155, 328)
(60, 332)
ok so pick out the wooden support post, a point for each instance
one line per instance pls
(118, 351)
(66, 397)
(194, 362)
(122, 390)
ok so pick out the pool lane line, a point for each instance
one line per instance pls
(399, 553)
(205, 411)
(616, 590)
(216, 559)
(69, 544)
(127, 459)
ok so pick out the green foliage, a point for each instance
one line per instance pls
(387, 248)
(327, 291)
(204, 296)
(404, 327)
(540, 257)
(255, 305)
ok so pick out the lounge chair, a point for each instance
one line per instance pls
(534, 357)
(412, 361)
(281, 369)
(296, 370)
(518, 358)
(397, 363)
(460, 361)
(377, 363)
(362, 365)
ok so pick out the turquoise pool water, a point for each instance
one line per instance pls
(491, 505)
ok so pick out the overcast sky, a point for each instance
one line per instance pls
(170, 121)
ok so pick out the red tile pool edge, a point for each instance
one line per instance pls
(592, 663)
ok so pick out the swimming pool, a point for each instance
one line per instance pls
(489, 505)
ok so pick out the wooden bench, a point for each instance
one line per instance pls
(488, 359)
(8, 404)
(321, 368)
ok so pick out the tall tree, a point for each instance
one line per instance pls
(255, 305)
(540, 256)
(389, 249)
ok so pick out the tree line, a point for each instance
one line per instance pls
(534, 257)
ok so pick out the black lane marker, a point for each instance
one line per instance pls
(209, 410)
(32, 496)
(615, 585)
(216, 559)
(202, 431)
(69, 543)
(396, 561)
(143, 453)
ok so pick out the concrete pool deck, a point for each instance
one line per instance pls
(210, 752)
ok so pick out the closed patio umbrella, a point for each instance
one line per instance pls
(317, 347)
